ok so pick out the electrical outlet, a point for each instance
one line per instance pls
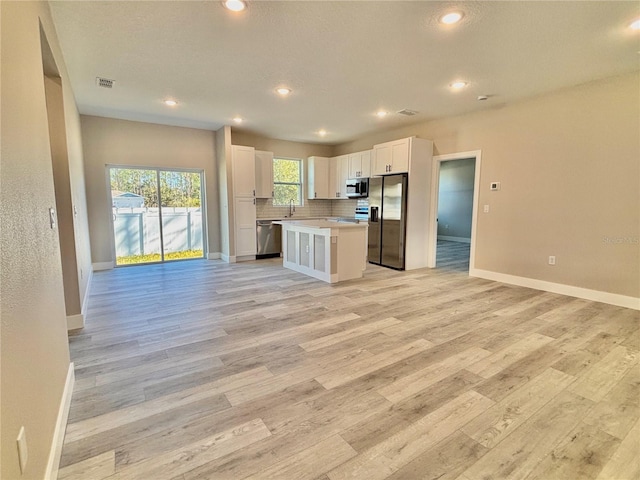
(552, 260)
(23, 454)
(486, 209)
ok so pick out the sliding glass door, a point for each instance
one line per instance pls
(157, 214)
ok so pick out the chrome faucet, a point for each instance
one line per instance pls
(292, 208)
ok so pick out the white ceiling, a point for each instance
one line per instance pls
(343, 60)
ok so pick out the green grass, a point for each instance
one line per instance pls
(155, 257)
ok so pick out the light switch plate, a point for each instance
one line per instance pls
(495, 186)
(52, 218)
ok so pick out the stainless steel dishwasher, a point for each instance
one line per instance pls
(269, 238)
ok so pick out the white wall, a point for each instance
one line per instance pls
(569, 164)
(34, 347)
(110, 141)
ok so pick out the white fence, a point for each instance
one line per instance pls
(137, 230)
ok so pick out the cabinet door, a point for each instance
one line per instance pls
(360, 165)
(381, 159)
(318, 178)
(355, 165)
(264, 174)
(244, 171)
(365, 164)
(338, 174)
(245, 215)
(400, 156)
(343, 175)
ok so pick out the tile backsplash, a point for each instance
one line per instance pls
(311, 208)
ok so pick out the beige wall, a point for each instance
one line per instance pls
(109, 141)
(569, 164)
(34, 347)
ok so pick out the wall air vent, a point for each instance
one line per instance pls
(407, 112)
(104, 82)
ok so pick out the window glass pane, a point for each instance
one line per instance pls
(287, 181)
(283, 194)
(286, 171)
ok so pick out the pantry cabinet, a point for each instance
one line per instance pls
(244, 171)
(243, 160)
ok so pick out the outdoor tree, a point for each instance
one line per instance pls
(286, 181)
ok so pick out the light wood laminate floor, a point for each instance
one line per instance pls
(204, 370)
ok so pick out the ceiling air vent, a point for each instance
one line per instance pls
(407, 112)
(104, 82)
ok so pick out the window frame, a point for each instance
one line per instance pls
(300, 183)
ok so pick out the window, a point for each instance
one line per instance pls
(287, 181)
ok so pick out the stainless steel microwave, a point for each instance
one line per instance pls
(358, 187)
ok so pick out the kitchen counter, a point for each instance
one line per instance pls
(326, 249)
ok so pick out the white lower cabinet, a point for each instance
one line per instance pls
(245, 228)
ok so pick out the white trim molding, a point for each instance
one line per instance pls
(98, 266)
(75, 321)
(61, 424)
(228, 258)
(213, 256)
(569, 290)
(454, 239)
(433, 216)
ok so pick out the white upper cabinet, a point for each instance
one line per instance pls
(338, 174)
(264, 174)
(391, 157)
(360, 164)
(318, 185)
(244, 171)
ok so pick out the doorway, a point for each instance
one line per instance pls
(455, 186)
(157, 214)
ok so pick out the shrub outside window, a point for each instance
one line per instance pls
(287, 181)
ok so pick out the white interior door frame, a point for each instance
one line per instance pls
(435, 189)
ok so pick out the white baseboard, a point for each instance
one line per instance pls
(569, 290)
(75, 321)
(228, 258)
(245, 258)
(98, 266)
(61, 425)
(454, 239)
(213, 256)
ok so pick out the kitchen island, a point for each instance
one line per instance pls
(328, 250)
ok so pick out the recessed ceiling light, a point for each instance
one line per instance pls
(235, 5)
(237, 119)
(458, 85)
(382, 113)
(171, 103)
(322, 132)
(284, 91)
(451, 18)
(635, 25)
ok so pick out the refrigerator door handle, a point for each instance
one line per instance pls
(374, 214)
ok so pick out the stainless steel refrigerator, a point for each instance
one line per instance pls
(387, 220)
